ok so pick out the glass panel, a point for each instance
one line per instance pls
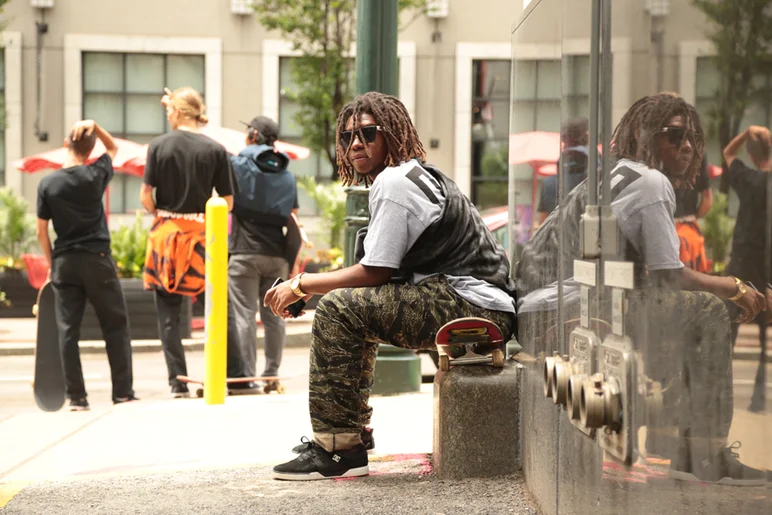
(107, 109)
(145, 73)
(687, 382)
(186, 70)
(490, 194)
(116, 194)
(144, 114)
(289, 128)
(102, 72)
(132, 185)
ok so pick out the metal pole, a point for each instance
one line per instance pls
(606, 105)
(376, 63)
(592, 176)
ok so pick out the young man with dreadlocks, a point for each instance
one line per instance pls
(678, 320)
(426, 259)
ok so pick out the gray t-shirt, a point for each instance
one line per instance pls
(644, 203)
(400, 211)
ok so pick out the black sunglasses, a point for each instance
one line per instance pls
(366, 134)
(675, 135)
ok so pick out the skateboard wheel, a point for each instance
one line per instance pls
(280, 389)
(200, 393)
(35, 310)
(498, 358)
(444, 362)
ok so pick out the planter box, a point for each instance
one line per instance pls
(18, 291)
(143, 320)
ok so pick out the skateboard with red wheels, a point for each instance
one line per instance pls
(470, 341)
(48, 384)
(270, 384)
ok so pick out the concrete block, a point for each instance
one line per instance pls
(476, 421)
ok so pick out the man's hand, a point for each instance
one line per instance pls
(751, 303)
(280, 297)
(166, 98)
(82, 127)
(760, 133)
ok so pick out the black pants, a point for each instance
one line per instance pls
(81, 276)
(169, 308)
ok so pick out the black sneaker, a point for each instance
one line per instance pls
(724, 469)
(122, 400)
(367, 440)
(316, 463)
(79, 405)
(180, 391)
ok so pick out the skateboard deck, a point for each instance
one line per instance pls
(271, 385)
(470, 341)
(296, 241)
(49, 385)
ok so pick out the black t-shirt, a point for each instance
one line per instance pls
(184, 166)
(688, 199)
(750, 230)
(72, 199)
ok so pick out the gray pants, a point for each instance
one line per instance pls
(250, 276)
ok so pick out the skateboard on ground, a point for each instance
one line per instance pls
(470, 341)
(270, 384)
(49, 384)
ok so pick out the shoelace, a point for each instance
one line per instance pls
(308, 443)
(736, 445)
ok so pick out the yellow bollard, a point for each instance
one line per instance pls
(215, 351)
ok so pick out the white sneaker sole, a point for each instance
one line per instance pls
(355, 472)
(727, 481)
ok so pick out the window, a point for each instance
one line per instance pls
(2, 117)
(536, 106)
(122, 92)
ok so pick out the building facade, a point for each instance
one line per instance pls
(110, 60)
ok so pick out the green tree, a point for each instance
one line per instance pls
(741, 32)
(323, 31)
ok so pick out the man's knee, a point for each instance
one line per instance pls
(331, 305)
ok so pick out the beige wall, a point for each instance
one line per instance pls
(473, 29)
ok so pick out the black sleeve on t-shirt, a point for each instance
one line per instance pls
(104, 166)
(739, 176)
(149, 178)
(224, 181)
(44, 212)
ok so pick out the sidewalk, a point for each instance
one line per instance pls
(17, 337)
(184, 456)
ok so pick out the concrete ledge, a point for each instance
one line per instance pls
(298, 339)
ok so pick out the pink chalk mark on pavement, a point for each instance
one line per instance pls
(423, 460)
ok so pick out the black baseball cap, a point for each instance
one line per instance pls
(267, 128)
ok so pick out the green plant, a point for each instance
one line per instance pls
(717, 229)
(129, 243)
(17, 229)
(331, 200)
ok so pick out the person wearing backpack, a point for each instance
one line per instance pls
(261, 211)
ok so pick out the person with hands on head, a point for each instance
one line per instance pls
(81, 266)
(425, 259)
(749, 258)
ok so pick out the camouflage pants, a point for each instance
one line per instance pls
(348, 326)
(684, 338)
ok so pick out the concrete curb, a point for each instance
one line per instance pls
(302, 339)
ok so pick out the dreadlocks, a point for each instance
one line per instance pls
(402, 141)
(634, 137)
